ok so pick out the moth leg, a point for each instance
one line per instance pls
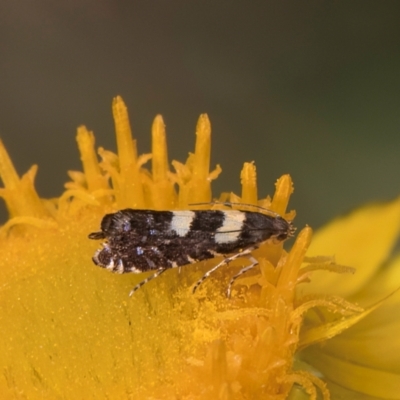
(223, 262)
(254, 262)
(140, 284)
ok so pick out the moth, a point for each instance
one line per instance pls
(138, 241)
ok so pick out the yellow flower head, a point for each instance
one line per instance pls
(70, 331)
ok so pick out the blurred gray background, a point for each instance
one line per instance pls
(306, 87)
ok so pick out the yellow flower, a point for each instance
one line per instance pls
(70, 331)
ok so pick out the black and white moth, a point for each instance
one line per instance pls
(146, 240)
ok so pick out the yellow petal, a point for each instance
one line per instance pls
(331, 329)
(362, 240)
(374, 341)
(358, 378)
(386, 281)
(339, 392)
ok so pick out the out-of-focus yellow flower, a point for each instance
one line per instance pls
(69, 330)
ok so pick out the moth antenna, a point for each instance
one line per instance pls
(229, 204)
